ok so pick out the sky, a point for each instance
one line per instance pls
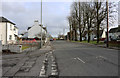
(119, 13)
(24, 13)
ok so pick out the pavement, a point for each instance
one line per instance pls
(77, 59)
(29, 64)
(62, 58)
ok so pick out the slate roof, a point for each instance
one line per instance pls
(114, 30)
(28, 28)
(39, 25)
(3, 19)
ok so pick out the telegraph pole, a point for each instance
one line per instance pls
(41, 24)
(107, 24)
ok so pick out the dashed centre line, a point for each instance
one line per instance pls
(80, 60)
(77, 58)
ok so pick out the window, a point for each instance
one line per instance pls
(15, 30)
(10, 26)
(10, 37)
(15, 38)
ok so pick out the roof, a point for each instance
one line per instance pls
(23, 33)
(16, 27)
(114, 30)
(39, 25)
(3, 19)
(28, 28)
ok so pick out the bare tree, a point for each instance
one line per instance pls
(100, 12)
(89, 13)
(87, 16)
(70, 25)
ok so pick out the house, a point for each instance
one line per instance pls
(93, 35)
(8, 31)
(114, 32)
(23, 35)
(35, 30)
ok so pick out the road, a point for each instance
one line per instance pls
(77, 59)
(68, 58)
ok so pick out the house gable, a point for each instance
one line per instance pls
(3, 19)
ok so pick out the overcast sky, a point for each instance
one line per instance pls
(24, 13)
(119, 13)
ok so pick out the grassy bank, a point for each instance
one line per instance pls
(111, 44)
(91, 42)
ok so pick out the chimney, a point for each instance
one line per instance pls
(36, 23)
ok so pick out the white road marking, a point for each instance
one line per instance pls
(75, 58)
(102, 57)
(80, 60)
(51, 52)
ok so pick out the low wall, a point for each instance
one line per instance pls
(13, 48)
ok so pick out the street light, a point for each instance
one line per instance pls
(107, 24)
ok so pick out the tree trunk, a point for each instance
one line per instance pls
(75, 35)
(98, 26)
(80, 24)
(98, 32)
(70, 33)
(88, 34)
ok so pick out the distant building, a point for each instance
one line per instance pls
(23, 35)
(35, 30)
(8, 31)
(114, 32)
(93, 35)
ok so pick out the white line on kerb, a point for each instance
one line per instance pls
(80, 60)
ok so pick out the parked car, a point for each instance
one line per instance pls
(51, 39)
(95, 38)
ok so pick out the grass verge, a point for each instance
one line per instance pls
(91, 42)
(24, 47)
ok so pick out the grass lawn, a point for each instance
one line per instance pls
(111, 44)
(24, 47)
(92, 42)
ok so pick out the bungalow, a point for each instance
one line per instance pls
(114, 32)
(93, 35)
(8, 31)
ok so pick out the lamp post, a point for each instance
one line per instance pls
(107, 24)
(41, 23)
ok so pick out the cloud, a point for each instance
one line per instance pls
(119, 13)
(24, 14)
